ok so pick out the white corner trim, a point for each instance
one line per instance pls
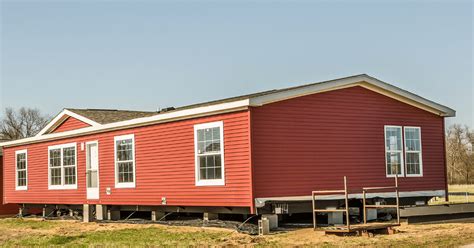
(209, 182)
(61, 117)
(127, 184)
(16, 169)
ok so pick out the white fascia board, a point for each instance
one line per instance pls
(159, 118)
(360, 80)
(444, 111)
(62, 117)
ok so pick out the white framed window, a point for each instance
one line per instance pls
(413, 157)
(125, 161)
(62, 166)
(393, 151)
(21, 170)
(209, 153)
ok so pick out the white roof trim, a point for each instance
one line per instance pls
(225, 107)
(360, 80)
(165, 117)
(61, 117)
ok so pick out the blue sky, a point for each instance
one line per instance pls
(150, 54)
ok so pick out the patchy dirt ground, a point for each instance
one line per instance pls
(36, 232)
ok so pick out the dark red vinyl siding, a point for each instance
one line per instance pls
(165, 167)
(311, 142)
(5, 209)
(69, 124)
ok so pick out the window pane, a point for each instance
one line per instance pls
(21, 176)
(413, 163)
(208, 133)
(209, 140)
(216, 133)
(55, 176)
(70, 175)
(125, 172)
(55, 157)
(412, 137)
(210, 167)
(393, 140)
(394, 163)
(92, 179)
(124, 150)
(200, 133)
(21, 161)
(69, 156)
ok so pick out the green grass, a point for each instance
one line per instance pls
(125, 237)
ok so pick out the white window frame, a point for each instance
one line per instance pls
(16, 169)
(402, 155)
(209, 182)
(61, 147)
(420, 152)
(129, 184)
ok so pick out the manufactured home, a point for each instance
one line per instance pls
(258, 153)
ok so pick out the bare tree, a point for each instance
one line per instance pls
(460, 159)
(23, 123)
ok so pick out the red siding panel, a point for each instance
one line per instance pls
(70, 123)
(311, 142)
(5, 209)
(164, 167)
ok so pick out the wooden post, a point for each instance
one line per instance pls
(347, 204)
(363, 204)
(314, 211)
(398, 200)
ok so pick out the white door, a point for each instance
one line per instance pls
(92, 167)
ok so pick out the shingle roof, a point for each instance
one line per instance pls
(105, 116)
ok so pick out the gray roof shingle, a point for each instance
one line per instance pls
(105, 116)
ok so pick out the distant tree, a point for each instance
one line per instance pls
(460, 158)
(22, 123)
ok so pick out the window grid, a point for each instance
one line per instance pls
(394, 150)
(209, 154)
(62, 166)
(413, 151)
(21, 170)
(125, 161)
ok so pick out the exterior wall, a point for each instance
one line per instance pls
(5, 209)
(165, 167)
(70, 123)
(311, 142)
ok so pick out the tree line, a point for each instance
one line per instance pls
(27, 122)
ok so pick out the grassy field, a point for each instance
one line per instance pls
(39, 233)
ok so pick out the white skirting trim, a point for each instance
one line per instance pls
(260, 202)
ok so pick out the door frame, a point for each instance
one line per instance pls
(95, 142)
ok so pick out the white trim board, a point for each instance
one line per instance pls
(252, 100)
(61, 117)
(260, 202)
